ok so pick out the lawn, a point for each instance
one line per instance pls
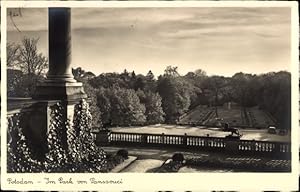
(248, 134)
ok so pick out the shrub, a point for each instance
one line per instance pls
(113, 161)
(170, 166)
(178, 157)
(123, 153)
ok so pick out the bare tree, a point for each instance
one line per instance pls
(27, 66)
(12, 54)
(30, 61)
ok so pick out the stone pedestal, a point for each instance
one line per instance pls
(60, 91)
(102, 137)
(232, 144)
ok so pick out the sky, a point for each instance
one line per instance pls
(220, 41)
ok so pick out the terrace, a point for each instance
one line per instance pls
(56, 120)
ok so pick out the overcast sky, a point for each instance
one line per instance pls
(220, 41)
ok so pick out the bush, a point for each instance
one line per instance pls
(170, 166)
(178, 157)
(113, 161)
(123, 153)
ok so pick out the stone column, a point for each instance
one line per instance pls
(60, 45)
(60, 83)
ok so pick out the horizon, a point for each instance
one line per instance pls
(220, 41)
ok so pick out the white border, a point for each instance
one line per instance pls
(162, 181)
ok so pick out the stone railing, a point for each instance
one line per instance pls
(236, 146)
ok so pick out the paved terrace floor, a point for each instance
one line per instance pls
(150, 158)
(248, 134)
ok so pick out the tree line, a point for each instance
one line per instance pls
(127, 98)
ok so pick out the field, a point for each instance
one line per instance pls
(249, 134)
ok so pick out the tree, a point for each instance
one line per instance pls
(175, 97)
(200, 73)
(154, 112)
(13, 54)
(215, 84)
(150, 76)
(152, 101)
(171, 71)
(104, 105)
(83, 76)
(30, 61)
(150, 82)
(120, 107)
(140, 83)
